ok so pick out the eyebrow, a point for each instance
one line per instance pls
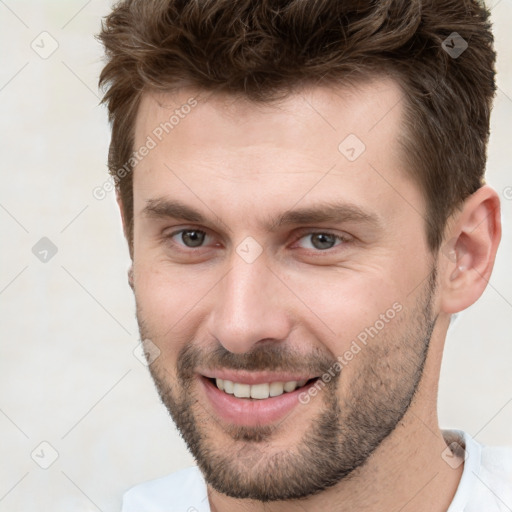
(162, 208)
(335, 213)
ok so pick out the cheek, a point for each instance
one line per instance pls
(163, 290)
(346, 304)
(170, 301)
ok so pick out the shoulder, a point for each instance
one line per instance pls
(182, 491)
(496, 472)
(486, 483)
(498, 459)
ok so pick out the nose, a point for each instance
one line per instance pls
(250, 307)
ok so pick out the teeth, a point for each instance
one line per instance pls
(258, 391)
(276, 389)
(290, 386)
(229, 387)
(242, 390)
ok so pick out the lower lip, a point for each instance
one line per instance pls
(250, 412)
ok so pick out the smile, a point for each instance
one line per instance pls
(249, 398)
(258, 391)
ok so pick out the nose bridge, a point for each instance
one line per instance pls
(248, 307)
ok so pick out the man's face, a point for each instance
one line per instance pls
(275, 252)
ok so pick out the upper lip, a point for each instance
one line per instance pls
(247, 377)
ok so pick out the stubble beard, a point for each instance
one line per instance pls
(345, 433)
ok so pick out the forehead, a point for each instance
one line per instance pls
(366, 109)
(317, 142)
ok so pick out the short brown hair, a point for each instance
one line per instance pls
(262, 50)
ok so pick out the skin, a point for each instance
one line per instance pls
(241, 164)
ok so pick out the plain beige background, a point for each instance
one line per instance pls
(69, 376)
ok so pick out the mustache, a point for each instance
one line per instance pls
(269, 357)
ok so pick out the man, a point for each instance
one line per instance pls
(301, 186)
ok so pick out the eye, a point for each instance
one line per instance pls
(321, 241)
(189, 237)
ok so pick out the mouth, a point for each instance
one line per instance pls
(261, 391)
(250, 399)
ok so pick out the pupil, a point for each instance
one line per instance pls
(192, 238)
(323, 241)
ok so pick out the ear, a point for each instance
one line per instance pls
(121, 211)
(473, 235)
(123, 221)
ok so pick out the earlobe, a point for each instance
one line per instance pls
(130, 276)
(474, 235)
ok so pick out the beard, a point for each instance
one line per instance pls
(357, 410)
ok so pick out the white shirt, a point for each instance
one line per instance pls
(485, 486)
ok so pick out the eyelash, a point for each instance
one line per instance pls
(338, 238)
